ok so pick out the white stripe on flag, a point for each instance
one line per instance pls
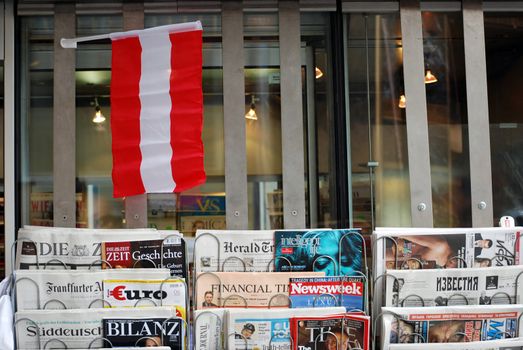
(155, 125)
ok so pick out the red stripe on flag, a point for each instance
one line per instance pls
(187, 110)
(125, 116)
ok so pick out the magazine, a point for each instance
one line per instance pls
(231, 250)
(328, 291)
(132, 292)
(444, 287)
(452, 324)
(245, 289)
(76, 328)
(147, 254)
(319, 250)
(76, 289)
(257, 329)
(343, 331)
(71, 247)
(208, 329)
(148, 332)
(505, 344)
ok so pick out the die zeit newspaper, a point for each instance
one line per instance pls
(443, 287)
(505, 344)
(343, 332)
(77, 289)
(266, 329)
(75, 247)
(147, 254)
(76, 328)
(245, 289)
(450, 324)
(148, 332)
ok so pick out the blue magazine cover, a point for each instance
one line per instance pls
(335, 252)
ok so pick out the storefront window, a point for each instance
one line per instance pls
(447, 118)
(504, 43)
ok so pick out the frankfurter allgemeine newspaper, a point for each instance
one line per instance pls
(257, 329)
(245, 289)
(72, 247)
(452, 324)
(233, 250)
(76, 289)
(76, 328)
(505, 344)
(446, 287)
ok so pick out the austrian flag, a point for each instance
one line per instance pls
(156, 109)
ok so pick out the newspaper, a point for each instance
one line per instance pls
(148, 254)
(443, 287)
(76, 328)
(74, 248)
(129, 293)
(76, 289)
(505, 344)
(228, 250)
(328, 291)
(443, 248)
(319, 250)
(254, 329)
(245, 289)
(343, 331)
(208, 329)
(449, 324)
(150, 332)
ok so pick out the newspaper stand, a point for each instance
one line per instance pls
(55, 340)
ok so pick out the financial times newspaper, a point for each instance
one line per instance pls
(230, 250)
(443, 248)
(245, 289)
(76, 289)
(74, 248)
(506, 344)
(76, 328)
(444, 287)
(257, 329)
(453, 324)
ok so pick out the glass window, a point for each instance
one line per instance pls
(377, 121)
(504, 43)
(447, 118)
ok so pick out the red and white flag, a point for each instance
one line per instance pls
(157, 109)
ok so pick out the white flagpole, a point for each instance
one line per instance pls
(171, 28)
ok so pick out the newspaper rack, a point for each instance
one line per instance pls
(54, 301)
(55, 340)
(99, 338)
(38, 340)
(218, 324)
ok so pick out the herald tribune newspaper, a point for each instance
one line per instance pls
(73, 247)
(505, 344)
(257, 329)
(453, 324)
(444, 287)
(76, 289)
(228, 250)
(76, 328)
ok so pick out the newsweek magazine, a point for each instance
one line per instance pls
(505, 344)
(76, 328)
(254, 329)
(343, 332)
(75, 247)
(148, 332)
(443, 248)
(319, 250)
(131, 293)
(443, 287)
(77, 289)
(245, 289)
(233, 250)
(455, 324)
(208, 328)
(328, 291)
(147, 254)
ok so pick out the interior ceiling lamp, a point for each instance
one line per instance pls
(318, 73)
(429, 77)
(403, 101)
(251, 114)
(98, 116)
